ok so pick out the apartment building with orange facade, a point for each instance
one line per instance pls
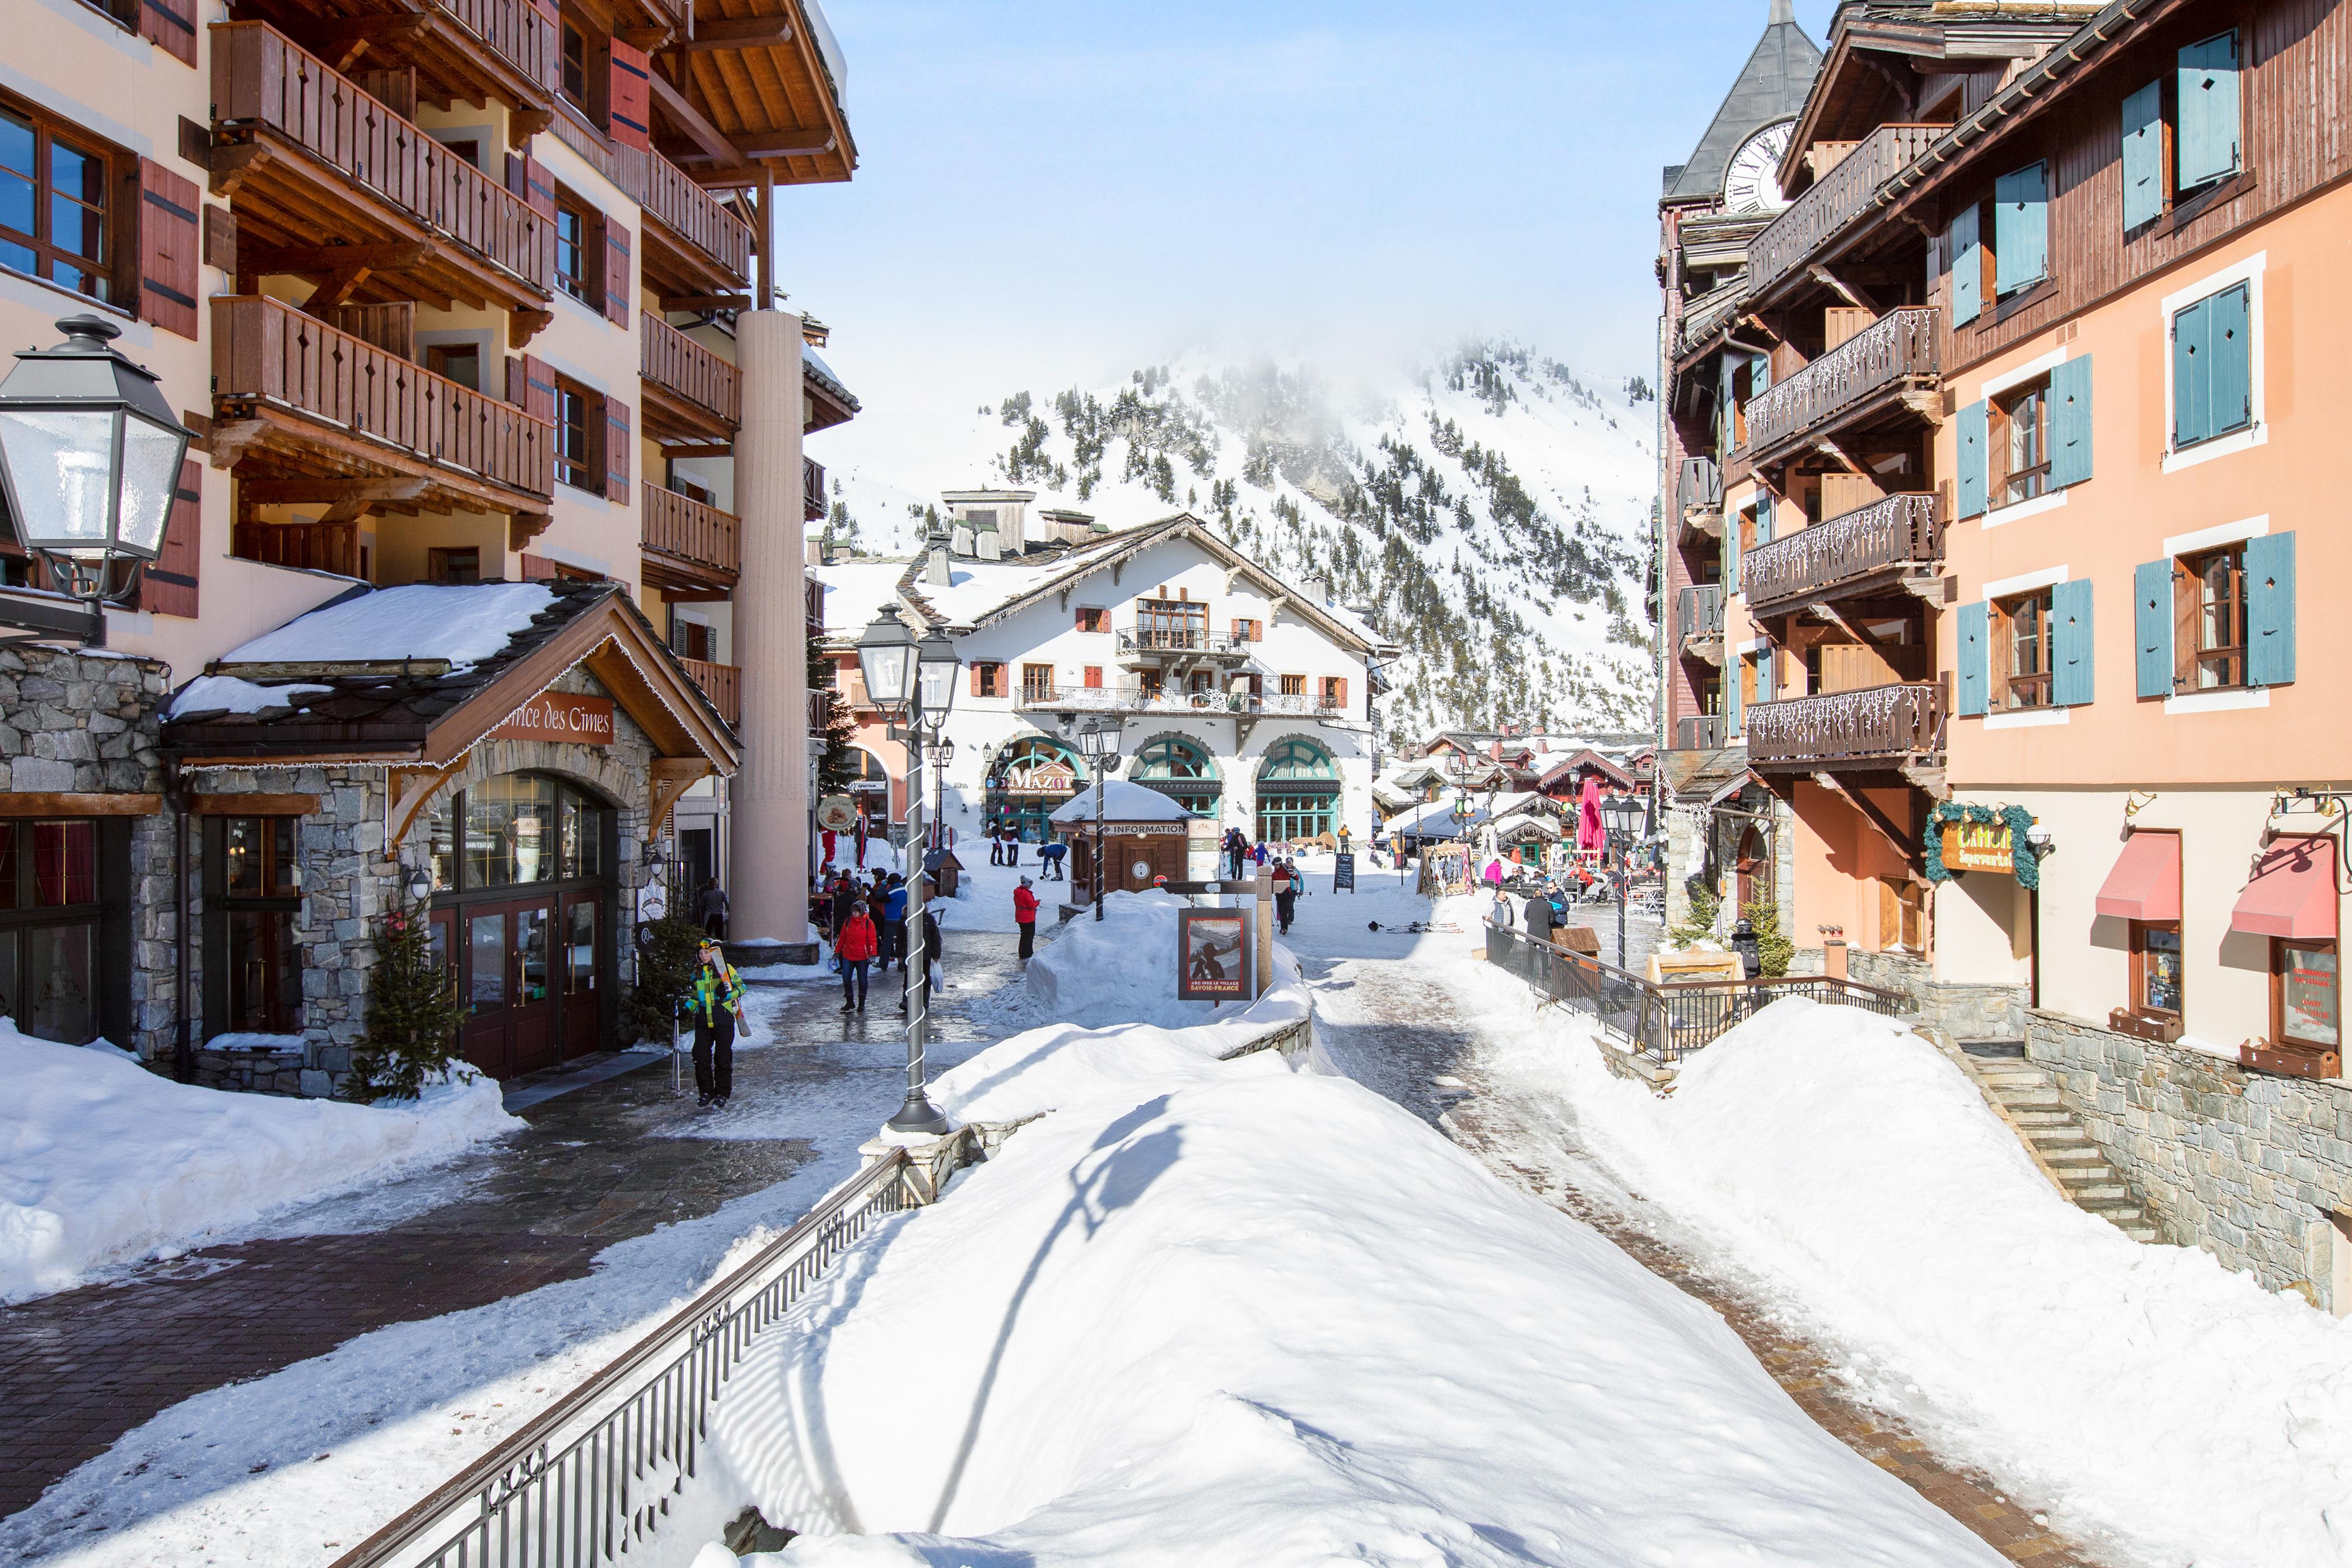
(2089, 301)
(454, 293)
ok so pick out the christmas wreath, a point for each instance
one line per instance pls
(2022, 859)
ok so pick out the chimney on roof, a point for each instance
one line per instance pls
(1318, 592)
(986, 542)
(936, 571)
(1007, 511)
(1782, 11)
(960, 538)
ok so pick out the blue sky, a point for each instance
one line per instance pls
(1053, 191)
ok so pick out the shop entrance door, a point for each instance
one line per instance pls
(508, 986)
(581, 1004)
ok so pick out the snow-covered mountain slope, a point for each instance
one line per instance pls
(1490, 510)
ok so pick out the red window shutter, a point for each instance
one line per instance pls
(170, 27)
(617, 440)
(1340, 692)
(631, 108)
(539, 188)
(220, 239)
(537, 568)
(170, 212)
(617, 271)
(1094, 676)
(168, 585)
(538, 398)
(517, 185)
(975, 678)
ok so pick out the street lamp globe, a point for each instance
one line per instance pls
(886, 657)
(90, 454)
(946, 755)
(1095, 741)
(937, 666)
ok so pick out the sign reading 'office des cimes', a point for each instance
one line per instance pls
(561, 716)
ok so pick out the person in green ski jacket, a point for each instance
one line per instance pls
(716, 1004)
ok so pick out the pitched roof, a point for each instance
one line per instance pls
(1770, 87)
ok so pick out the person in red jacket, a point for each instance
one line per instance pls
(1024, 915)
(856, 947)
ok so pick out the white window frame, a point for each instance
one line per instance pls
(2257, 431)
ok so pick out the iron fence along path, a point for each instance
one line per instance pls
(591, 1478)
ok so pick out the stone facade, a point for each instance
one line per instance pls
(2247, 1165)
(1964, 1012)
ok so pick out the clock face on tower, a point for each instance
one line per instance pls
(1749, 183)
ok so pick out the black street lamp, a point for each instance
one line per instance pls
(90, 464)
(1099, 743)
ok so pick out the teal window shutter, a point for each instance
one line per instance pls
(2152, 629)
(1971, 438)
(1731, 553)
(2229, 375)
(2269, 609)
(1723, 408)
(1976, 658)
(2144, 155)
(2070, 421)
(2209, 110)
(2192, 397)
(2070, 647)
(2020, 228)
(1733, 679)
(1759, 375)
(1967, 252)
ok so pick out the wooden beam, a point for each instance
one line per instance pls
(671, 777)
(740, 155)
(688, 119)
(732, 33)
(310, 258)
(522, 526)
(303, 492)
(231, 438)
(1912, 854)
(406, 792)
(24, 804)
(252, 804)
(1829, 279)
(338, 287)
(707, 301)
(526, 325)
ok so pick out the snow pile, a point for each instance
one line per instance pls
(1217, 1312)
(464, 624)
(101, 1161)
(1127, 801)
(2145, 1389)
(228, 694)
(1116, 970)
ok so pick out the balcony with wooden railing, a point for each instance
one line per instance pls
(329, 181)
(1699, 497)
(813, 502)
(693, 398)
(1146, 699)
(722, 683)
(296, 400)
(694, 244)
(463, 51)
(1698, 621)
(1879, 726)
(689, 546)
(1699, 732)
(1820, 214)
(1893, 360)
(1894, 537)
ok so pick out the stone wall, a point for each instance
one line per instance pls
(2247, 1165)
(1965, 1012)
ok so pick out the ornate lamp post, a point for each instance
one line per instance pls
(913, 685)
(89, 460)
(1622, 816)
(1099, 742)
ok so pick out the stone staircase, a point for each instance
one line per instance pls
(2024, 1096)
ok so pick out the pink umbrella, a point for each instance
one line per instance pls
(1589, 834)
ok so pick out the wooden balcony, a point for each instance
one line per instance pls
(693, 245)
(1698, 621)
(331, 182)
(1879, 726)
(1161, 647)
(305, 414)
(690, 550)
(1699, 492)
(1207, 704)
(693, 398)
(1877, 545)
(1699, 732)
(722, 683)
(814, 507)
(1892, 361)
(1824, 209)
(463, 51)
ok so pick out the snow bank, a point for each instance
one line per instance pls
(1119, 969)
(101, 1161)
(464, 624)
(2143, 1389)
(1218, 1312)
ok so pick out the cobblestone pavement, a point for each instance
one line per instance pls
(1400, 1030)
(612, 1159)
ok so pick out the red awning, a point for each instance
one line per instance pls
(2293, 892)
(2145, 883)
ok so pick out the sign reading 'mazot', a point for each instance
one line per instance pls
(561, 716)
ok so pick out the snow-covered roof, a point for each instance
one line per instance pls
(1127, 801)
(463, 624)
(814, 364)
(229, 694)
(855, 592)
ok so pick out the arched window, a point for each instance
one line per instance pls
(1180, 770)
(1028, 779)
(869, 788)
(1297, 792)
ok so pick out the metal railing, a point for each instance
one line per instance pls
(1892, 722)
(1664, 1021)
(692, 531)
(1893, 530)
(1899, 346)
(1833, 201)
(1136, 700)
(1698, 733)
(671, 360)
(1698, 611)
(263, 80)
(1135, 639)
(265, 350)
(591, 1476)
(1701, 488)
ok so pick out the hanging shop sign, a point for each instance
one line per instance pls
(836, 813)
(1212, 949)
(561, 716)
(1964, 838)
(1978, 847)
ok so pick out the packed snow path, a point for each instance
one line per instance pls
(1391, 1018)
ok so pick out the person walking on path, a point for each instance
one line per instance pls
(1024, 915)
(995, 845)
(857, 946)
(930, 956)
(1236, 851)
(894, 925)
(1539, 915)
(1285, 895)
(844, 895)
(1050, 858)
(716, 1005)
(714, 911)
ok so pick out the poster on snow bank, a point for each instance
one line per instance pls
(1213, 950)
